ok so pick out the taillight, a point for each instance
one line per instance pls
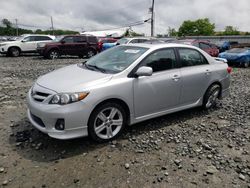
(229, 69)
(100, 45)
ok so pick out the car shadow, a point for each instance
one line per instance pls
(36, 146)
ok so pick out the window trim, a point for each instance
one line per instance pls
(133, 71)
(179, 59)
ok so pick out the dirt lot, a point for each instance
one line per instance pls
(193, 148)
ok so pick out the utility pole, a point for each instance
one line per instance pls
(16, 28)
(52, 25)
(152, 18)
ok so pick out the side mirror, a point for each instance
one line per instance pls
(144, 71)
(23, 41)
(63, 42)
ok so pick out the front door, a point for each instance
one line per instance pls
(67, 46)
(29, 44)
(161, 91)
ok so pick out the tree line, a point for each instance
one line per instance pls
(203, 27)
(8, 29)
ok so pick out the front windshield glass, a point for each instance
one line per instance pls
(58, 38)
(115, 59)
(237, 50)
(122, 41)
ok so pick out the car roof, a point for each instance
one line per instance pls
(161, 45)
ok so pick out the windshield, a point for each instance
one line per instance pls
(115, 59)
(123, 41)
(237, 50)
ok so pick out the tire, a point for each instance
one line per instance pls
(101, 126)
(14, 52)
(211, 96)
(53, 54)
(91, 53)
(245, 64)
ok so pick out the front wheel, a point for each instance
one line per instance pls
(53, 54)
(14, 52)
(211, 96)
(107, 122)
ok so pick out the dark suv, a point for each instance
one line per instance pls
(79, 45)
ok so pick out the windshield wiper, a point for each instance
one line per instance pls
(94, 67)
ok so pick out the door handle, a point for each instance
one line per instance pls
(176, 78)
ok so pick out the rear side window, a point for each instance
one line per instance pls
(160, 60)
(134, 41)
(191, 57)
(42, 38)
(80, 39)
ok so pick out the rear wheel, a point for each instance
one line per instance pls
(14, 52)
(245, 64)
(211, 96)
(53, 54)
(91, 53)
(107, 122)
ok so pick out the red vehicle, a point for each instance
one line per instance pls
(77, 45)
(208, 47)
(101, 41)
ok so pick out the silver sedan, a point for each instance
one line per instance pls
(123, 86)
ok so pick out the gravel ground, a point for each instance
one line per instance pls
(192, 148)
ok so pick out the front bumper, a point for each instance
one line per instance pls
(43, 116)
(3, 50)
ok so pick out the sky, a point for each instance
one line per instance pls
(92, 15)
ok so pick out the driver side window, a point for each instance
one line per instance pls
(68, 40)
(29, 39)
(160, 60)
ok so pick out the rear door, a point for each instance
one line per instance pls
(161, 91)
(195, 73)
(80, 46)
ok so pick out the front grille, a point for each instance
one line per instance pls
(39, 96)
(37, 120)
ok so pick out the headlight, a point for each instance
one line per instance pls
(66, 98)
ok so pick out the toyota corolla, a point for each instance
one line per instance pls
(123, 86)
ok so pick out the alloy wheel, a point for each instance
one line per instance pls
(108, 123)
(212, 98)
(90, 53)
(53, 55)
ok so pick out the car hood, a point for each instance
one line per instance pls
(10, 42)
(72, 78)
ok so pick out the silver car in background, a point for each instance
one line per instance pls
(123, 86)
